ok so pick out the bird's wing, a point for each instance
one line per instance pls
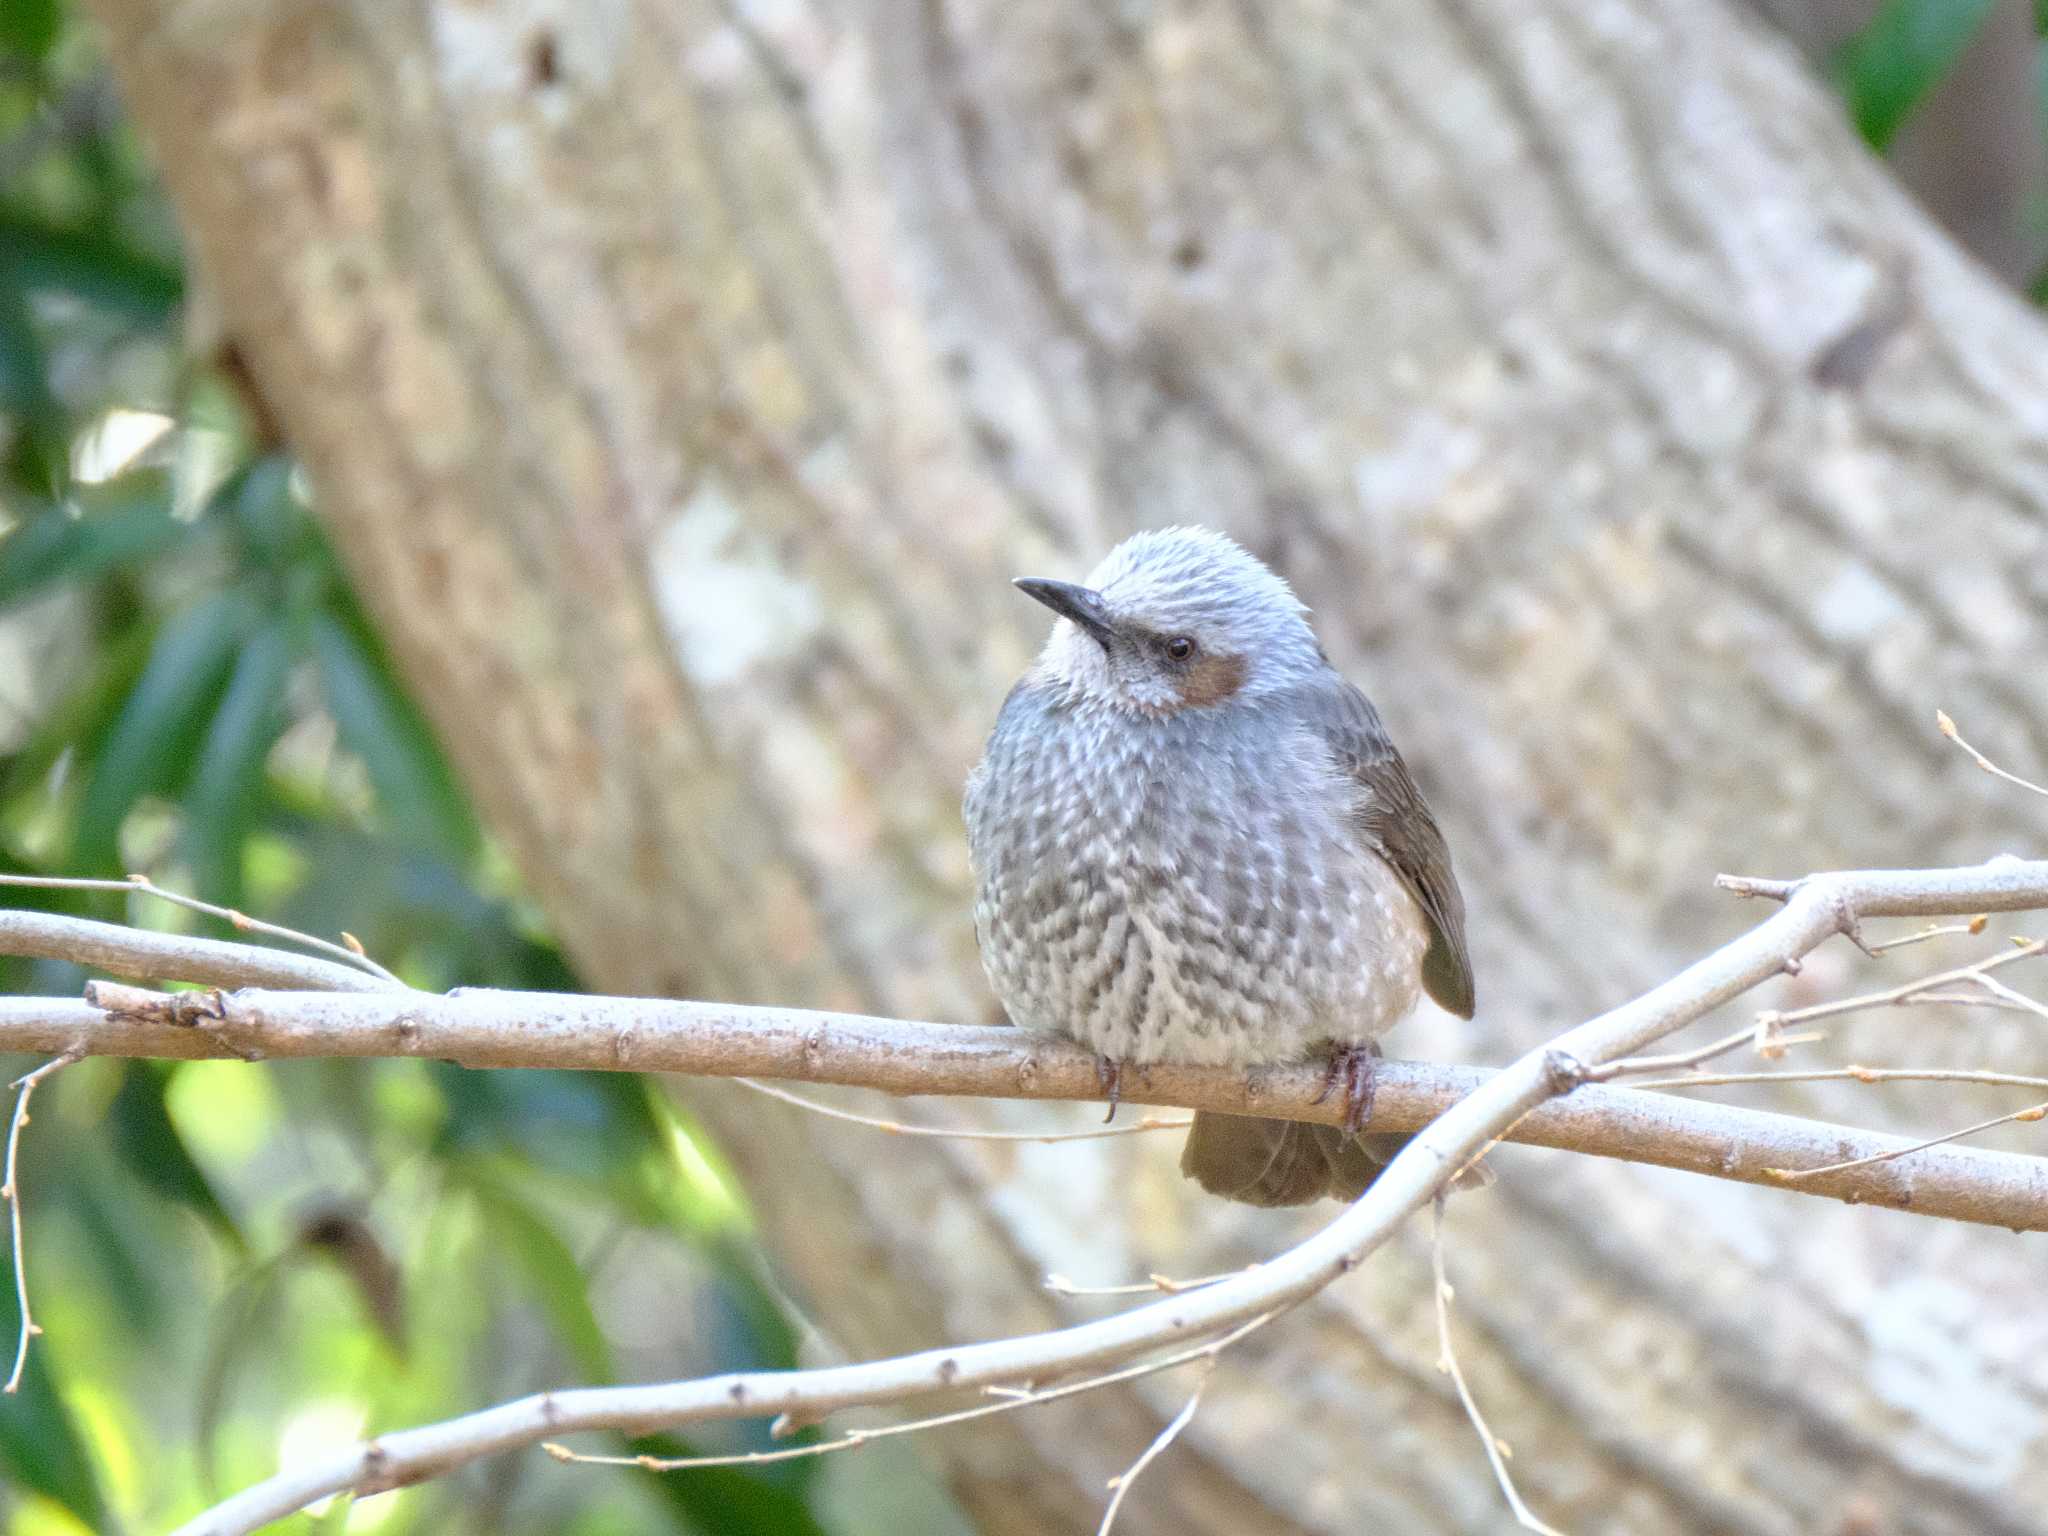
(1397, 825)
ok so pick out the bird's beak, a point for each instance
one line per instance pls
(1084, 607)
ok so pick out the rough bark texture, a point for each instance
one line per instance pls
(683, 382)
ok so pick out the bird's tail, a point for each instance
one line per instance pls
(1285, 1162)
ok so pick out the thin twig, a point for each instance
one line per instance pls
(1793, 1175)
(853, 1439)
(1933, 931)
(241, 920)
(1851, 1074)
(1152, 1285)
(1753, 886)
(1496, 1450)
(148, 954)
(958, 1133)
(1121, 1484)
(2011, 998)
(1948, 729)
(1767, 1033)
(1910, 992)
(11, 1192)
(1966, 1000)
(1676, 1061)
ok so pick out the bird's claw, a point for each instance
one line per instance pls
(1109, 1077)
(1352, 1065)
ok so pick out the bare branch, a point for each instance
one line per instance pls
(147, 955)
(1006, 1399)
(520, 1029)
(1948, 729)
(11, 1192)
(1813, 910)
(1921, 991)
(351, 954)
(1853, 1074)
(1756, 1034)
(1768, 1035)
(1791, 1175)
(2009, 998)
(1166, 1436)
(1151, 1285)
(1751, 885)
(1496, 1450)
(1933, 931)
(961, 1132)
(500, 1029)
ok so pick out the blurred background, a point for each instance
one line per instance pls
(233, 1268)
(233, 1265)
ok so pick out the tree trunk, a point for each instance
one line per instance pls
(682, 384)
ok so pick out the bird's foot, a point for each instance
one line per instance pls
(1109, 1077)
(1352, 1065)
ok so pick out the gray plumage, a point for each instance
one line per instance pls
(1195, 843)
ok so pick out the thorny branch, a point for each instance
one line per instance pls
(1813, 910)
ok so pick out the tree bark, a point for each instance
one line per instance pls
(683, 383)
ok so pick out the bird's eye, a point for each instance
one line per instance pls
(1180, 647)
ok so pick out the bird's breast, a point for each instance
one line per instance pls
(1187, 890)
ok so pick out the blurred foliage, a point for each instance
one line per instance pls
(237, 1264)
(1908, 47)
(1906, 50)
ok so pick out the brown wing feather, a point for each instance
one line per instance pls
(1396, 823)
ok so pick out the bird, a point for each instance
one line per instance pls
(1194, 842)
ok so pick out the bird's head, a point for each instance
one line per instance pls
(1175, 619)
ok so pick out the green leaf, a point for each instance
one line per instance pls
(416, 910)
(148, 1144)
(221, 796)
(38, 457)
(242, 1325)
(29, 27)
(24, 369)
(415, 792)
(40, 1446)
(123, 523)
(153, 737)
(595, 1128)
(81, 719)
(558, 1281)
(88, 264)
(1909, 47)
(132, 1275)
(747, 1322)
(274, 529)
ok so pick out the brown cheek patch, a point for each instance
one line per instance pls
(1212, 680)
